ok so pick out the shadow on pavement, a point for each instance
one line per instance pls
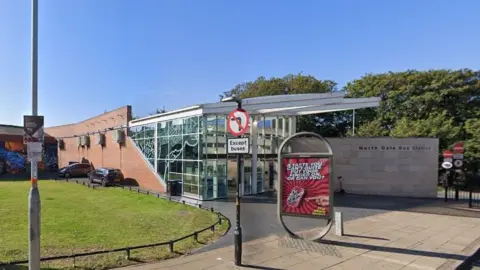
(366, 237)
(260, 267)
(396, 250)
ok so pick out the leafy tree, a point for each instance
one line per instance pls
(435, 103)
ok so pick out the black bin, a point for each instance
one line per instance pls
(174, 188)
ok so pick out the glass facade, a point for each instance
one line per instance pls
(193, 150)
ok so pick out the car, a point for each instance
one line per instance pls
(106, 176)
(75, 170)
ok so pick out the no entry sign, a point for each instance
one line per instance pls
(447, 154)
(237, 122)
(458, 148)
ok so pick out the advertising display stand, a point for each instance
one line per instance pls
(305, 166)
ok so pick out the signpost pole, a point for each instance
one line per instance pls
(34, 195)
(238, 229)
(237, 125)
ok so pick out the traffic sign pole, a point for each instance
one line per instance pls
(237, 124)
(34, 195)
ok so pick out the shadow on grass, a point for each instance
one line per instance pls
(22, 267)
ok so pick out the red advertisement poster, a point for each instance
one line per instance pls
(305, 186)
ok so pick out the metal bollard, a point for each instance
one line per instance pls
(170, 245)
(195, 236)
(128, 254)
(339, 223)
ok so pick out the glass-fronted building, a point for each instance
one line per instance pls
(189, 145)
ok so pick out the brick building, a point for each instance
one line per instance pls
(124, 156)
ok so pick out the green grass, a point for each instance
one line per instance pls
(78, 219)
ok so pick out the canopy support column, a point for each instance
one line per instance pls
(254, 138)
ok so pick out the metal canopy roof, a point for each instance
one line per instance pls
(279, 105)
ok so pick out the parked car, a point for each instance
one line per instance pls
(75, 170)
(106, 176)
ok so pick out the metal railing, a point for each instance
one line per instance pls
(170, 243)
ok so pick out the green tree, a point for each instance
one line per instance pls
(435, 103)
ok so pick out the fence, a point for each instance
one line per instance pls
(127, 250)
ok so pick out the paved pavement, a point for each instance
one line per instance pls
(259, 218)
(389, 240)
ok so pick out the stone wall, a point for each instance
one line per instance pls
(387, 166)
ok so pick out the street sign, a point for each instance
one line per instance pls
(458, 163)
(457, 156)
(447, 154)
(238, 146)
(34, 151)
(448, 160)
(33, 129)
(447, 165)
(458, 148)
(237, 122)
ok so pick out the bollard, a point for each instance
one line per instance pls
(195, 236)
(158, 195)
(339, 223)
(470, 204)
(130, 188)
(148, 193)
(213, 228)
(128, 254)
(170, 246)
(74, 266)
(183, 202)
(211, 209)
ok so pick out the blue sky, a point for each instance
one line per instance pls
(99, 55)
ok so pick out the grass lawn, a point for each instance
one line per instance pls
(78, 219)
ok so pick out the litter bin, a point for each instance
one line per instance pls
(174, 187)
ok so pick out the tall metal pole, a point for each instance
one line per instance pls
(34, 195)
(238, 229)
(353, 125)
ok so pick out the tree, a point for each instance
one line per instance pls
(158, 111)
(436, 103)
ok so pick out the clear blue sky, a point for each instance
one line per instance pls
(97, 55)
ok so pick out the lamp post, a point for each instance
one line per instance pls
(238, 229)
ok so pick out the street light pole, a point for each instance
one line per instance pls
(34, 195)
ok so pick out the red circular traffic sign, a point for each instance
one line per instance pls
(237, 122)
(447, 154)
(458, 147)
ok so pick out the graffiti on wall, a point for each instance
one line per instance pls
(13, 157)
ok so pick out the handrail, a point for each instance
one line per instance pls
(170, 243)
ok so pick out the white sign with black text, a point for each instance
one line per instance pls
(34, 151)
(238, 146)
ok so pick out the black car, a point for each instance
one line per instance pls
(106, 176)
(75, 170)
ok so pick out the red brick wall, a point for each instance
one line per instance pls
(125, 157)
